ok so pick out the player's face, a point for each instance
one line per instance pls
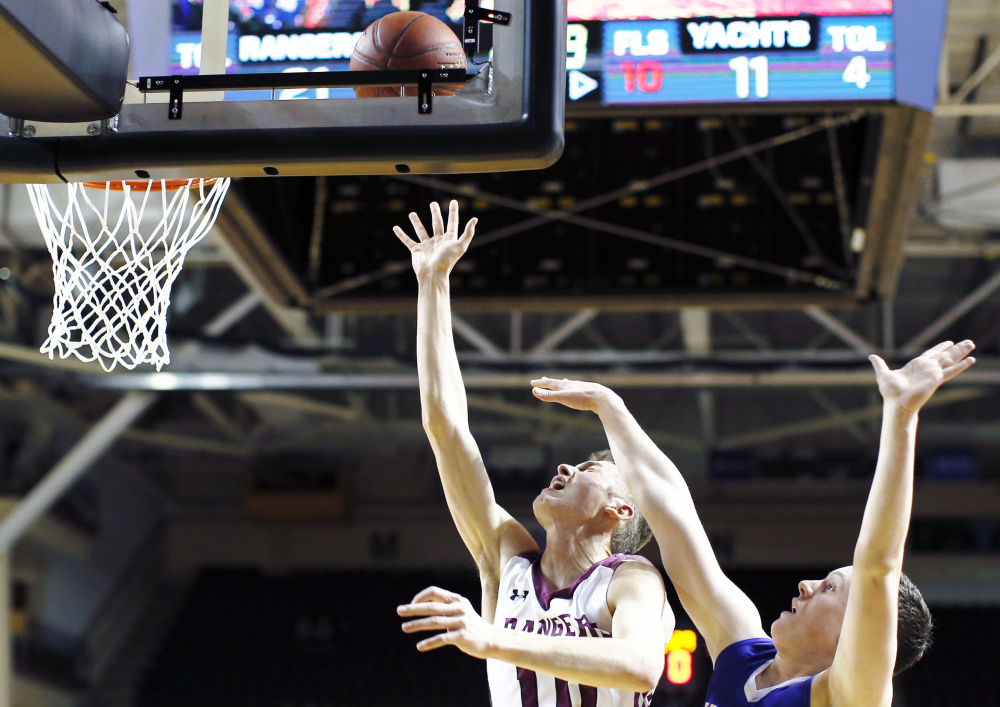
(582, 490)
(810, 628)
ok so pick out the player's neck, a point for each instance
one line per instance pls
(569, 554)
(783, 669)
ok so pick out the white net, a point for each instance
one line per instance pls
(112, 283)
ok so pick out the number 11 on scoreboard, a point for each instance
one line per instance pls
(743, 66)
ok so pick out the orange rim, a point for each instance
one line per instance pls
(143, 184)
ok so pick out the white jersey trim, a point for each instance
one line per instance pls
(755, 694)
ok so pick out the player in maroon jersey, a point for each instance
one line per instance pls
(539, 609)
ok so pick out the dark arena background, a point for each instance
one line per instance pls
(751, 197)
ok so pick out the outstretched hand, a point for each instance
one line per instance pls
(463, 627)
(914, 384)
(578, 395)
(436, 255)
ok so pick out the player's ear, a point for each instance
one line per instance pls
(620, 510)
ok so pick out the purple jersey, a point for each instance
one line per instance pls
(578, 611)
(734, 680)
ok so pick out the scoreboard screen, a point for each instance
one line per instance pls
(730, 51)
(619, 52)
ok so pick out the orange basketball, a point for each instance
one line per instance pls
(407, 40)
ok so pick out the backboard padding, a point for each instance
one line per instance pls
(64, 60)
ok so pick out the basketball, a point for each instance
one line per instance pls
(407, 40)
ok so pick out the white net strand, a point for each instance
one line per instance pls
(112, 284)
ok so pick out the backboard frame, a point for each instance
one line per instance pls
(509, 118)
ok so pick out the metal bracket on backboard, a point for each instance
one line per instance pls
(424, 79)
(425, 94)
(473, 16)
(175, 106)
(21, 127)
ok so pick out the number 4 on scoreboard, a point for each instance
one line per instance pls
(857, 72)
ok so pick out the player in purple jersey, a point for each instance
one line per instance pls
(844, 636)
(586, 512)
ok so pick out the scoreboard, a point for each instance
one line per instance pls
(631, 52)
(730, 57)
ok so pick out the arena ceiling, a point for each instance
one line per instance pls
(755, 347)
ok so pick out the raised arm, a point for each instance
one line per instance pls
(631, 659)
(489, 532)
(720, 611)
(861, 673)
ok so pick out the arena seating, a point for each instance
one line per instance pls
(960, 668)
(332, 639)
(301, 640)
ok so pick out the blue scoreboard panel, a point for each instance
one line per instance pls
(734, 59)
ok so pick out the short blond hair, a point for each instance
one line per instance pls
(635, 533)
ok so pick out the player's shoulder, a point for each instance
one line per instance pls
(745, 654)
(627, 566)
(518, 564)
(819, 691)
(623, 560)
(632, 572)
(734, 675)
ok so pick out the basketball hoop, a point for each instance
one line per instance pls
(112, 284)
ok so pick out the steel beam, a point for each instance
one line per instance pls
(967, 110)
(771, 180)
(900, 168)
(217, 415)
(840, 192)
(828, 422)
(839, 299)
(840, 330)
(246, 247)
(570, 216)
(635, 187)
(304, 405)
(516, 332)
(565, 330)
(231, 315)
(889, 326)
(972, 83)
(316, 232)
(72, 466)
(759, 342)
(468, 332)
(696, 330)
(6, 656)
(27, 354)
(201, 445)
(952, 315)
(982, 375)
(665, 337)
(832, 409)
(944, 76)
(706, 413)
(982, 248)
(547, 413)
